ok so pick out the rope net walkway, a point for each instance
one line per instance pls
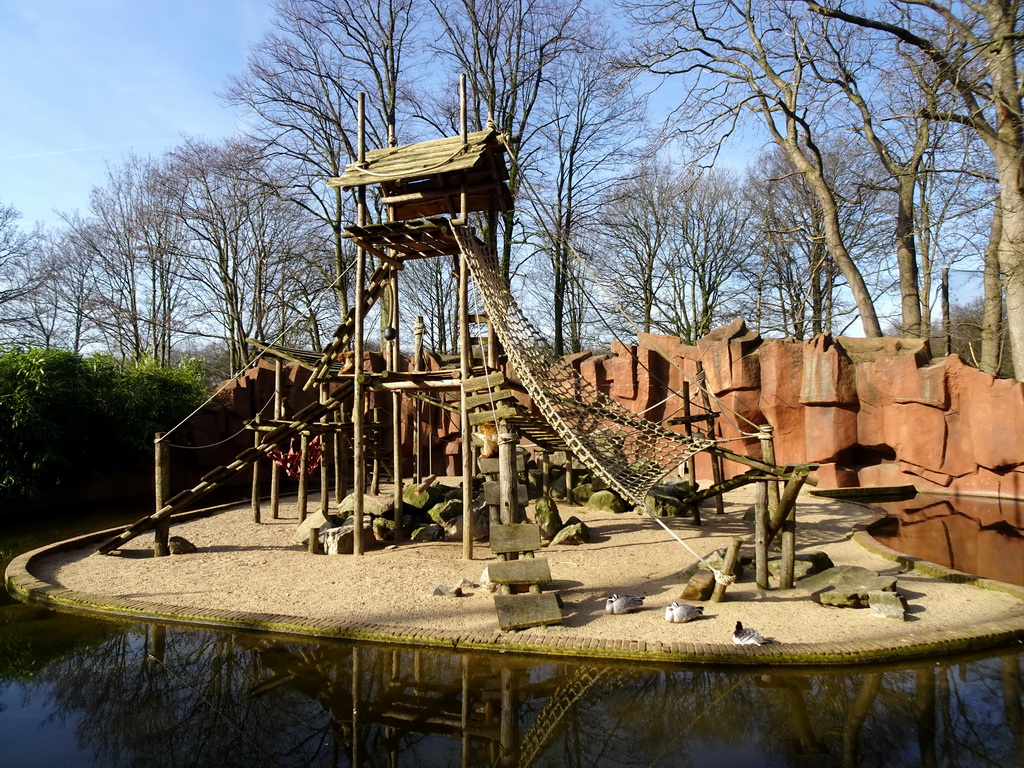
(628, 451)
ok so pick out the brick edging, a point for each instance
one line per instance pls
(20, 583)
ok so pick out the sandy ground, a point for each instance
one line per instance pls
(242, 566)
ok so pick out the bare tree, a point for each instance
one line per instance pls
(506, 48)
(974, 47)
(595, 120)
(129, 239)
(738, 59)
(240, 241)
(16, 251)
(300, 88)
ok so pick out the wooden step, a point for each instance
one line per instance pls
(523, 611)
(517, 537)
(530, 570)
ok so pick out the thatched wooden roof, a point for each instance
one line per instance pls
(427, 179)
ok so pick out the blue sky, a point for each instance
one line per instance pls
(85, 82)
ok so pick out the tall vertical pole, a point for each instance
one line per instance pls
(358, 394)
(325, 464)
(275, 470)
(257, 439)
(162, 487)
(396, 411)
(464, 365)
(417, 435)
(303, 500)
(766, 434)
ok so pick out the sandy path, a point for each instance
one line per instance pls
(242, 566)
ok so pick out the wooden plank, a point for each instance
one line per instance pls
(523, 611)
(518, 537)
(492, 493)
(490, 381)
(498, 414)
(529, 570)
(489, 466)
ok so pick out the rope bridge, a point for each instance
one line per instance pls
(628, 451)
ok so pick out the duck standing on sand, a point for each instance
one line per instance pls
(623, 604)
(748, 636)
(680, 613)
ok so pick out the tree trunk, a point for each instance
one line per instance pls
(906, 259)
(992, 318)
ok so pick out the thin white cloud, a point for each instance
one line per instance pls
(87, 149)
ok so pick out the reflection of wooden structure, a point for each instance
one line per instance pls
(374, 698)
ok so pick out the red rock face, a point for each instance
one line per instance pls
(869, 411)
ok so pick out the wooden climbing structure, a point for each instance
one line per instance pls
(429, 192)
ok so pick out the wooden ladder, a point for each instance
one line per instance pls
(517, 568)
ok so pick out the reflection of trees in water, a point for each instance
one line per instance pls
(182, 698)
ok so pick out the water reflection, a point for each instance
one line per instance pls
(160, 696)
(980, 536)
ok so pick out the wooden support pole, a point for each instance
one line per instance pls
(508, 482)
(569, 479)
(275, 470)
(766, 436)
(275, 491)
(325, 474)
(358, 396)
(691, 462)
(717, 471)
(761, 535)
(162, 487)
(545, 474)
(303, 499)
(256, 511)
(467, 439)
(340, 462)
(787, 511)
(732, 556)
(418, 330)
(396, 414)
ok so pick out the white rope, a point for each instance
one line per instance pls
(720, 578)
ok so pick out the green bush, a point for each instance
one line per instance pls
(65, 418)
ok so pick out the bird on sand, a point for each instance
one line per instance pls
(623, 604)
(744, 636)
(680, 613)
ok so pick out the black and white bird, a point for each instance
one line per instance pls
(742, 636)
(623, 604)
(680, 613)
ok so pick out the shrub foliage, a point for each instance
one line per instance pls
(65, 417)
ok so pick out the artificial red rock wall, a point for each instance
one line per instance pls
(870, 412)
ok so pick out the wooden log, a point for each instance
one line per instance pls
(732, 556)
(766, 437)
(489, 381)
(162, 484)
(717, 470)
(256, 510)
(761, 535)
(464, 418)
(508, 479)
(303, 498)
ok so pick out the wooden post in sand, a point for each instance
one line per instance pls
(761, 534)
(732, 556)
(162, 487)
(766, 436)
(275, 470)
(303, 498)
(256, 509)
